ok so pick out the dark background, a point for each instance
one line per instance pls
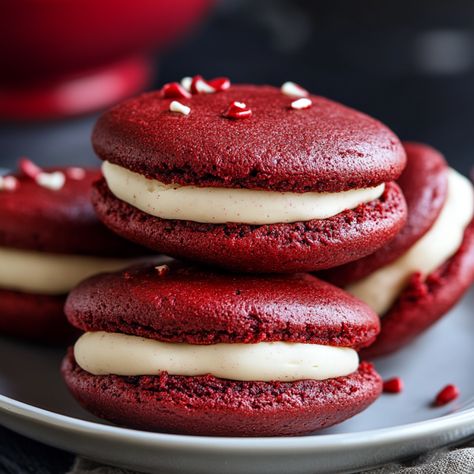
(410, 64)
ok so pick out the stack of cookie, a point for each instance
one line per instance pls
(418, 276)
(253, 187)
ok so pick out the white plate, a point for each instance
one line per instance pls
(34, 402)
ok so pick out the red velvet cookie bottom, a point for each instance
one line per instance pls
(33, 317)
(276, 248)
(423, 302)
(209, 406)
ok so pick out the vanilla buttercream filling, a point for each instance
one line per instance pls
(48, 273)
(102, 353)
(380, 289)
(222, 205)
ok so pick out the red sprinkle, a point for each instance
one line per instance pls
(76, 173)
(174, 90)
(200, 86)
(237, 110)
(394, 385)
(446, 395)
(28, 168)
(220, 83)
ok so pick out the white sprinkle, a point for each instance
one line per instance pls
(302, 103)
(53, 181)
(162, 270)
(204, 87)
(293, 90)
(8, 183)
(76, 173)
(176, 106)
(186, 83)
(240, 105)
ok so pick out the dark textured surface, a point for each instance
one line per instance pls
(19, 455)
(423, 302)
(206, 405)
(327, 147)
(62, 221)
(275, 248)
(424, 183)
(34, 317)
(202, 306)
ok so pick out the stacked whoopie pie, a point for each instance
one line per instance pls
(264, 188)
(416, 278)
(188, 350)
(255, 180)
(50, 240)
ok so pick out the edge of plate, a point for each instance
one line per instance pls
(382, 436)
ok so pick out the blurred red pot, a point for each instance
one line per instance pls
(67, 57)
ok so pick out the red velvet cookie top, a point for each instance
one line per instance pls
(35, 217)
(326, 147)
(424, 183)
(180, 303)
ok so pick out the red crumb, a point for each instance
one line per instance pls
(76, 173)
(200, 86)
(174, 90)
(220, 83)
(446, 395)
(394, 385)
(28, 168)
(237, 110)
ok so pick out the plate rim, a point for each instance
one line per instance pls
(301, 444)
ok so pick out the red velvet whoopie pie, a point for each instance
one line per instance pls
(439, 225)
(249, 178)
(50, 238)
(175, 348)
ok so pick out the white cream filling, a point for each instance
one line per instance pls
(380, 289)
(48, 273)
(102, 353)
(222, 205)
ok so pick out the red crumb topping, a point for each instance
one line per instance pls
(237, 110)
(200, 86)
(220, 83)
(28, 168)
(394, 385)
(76, 173)
(174, 90)
(446, 395)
